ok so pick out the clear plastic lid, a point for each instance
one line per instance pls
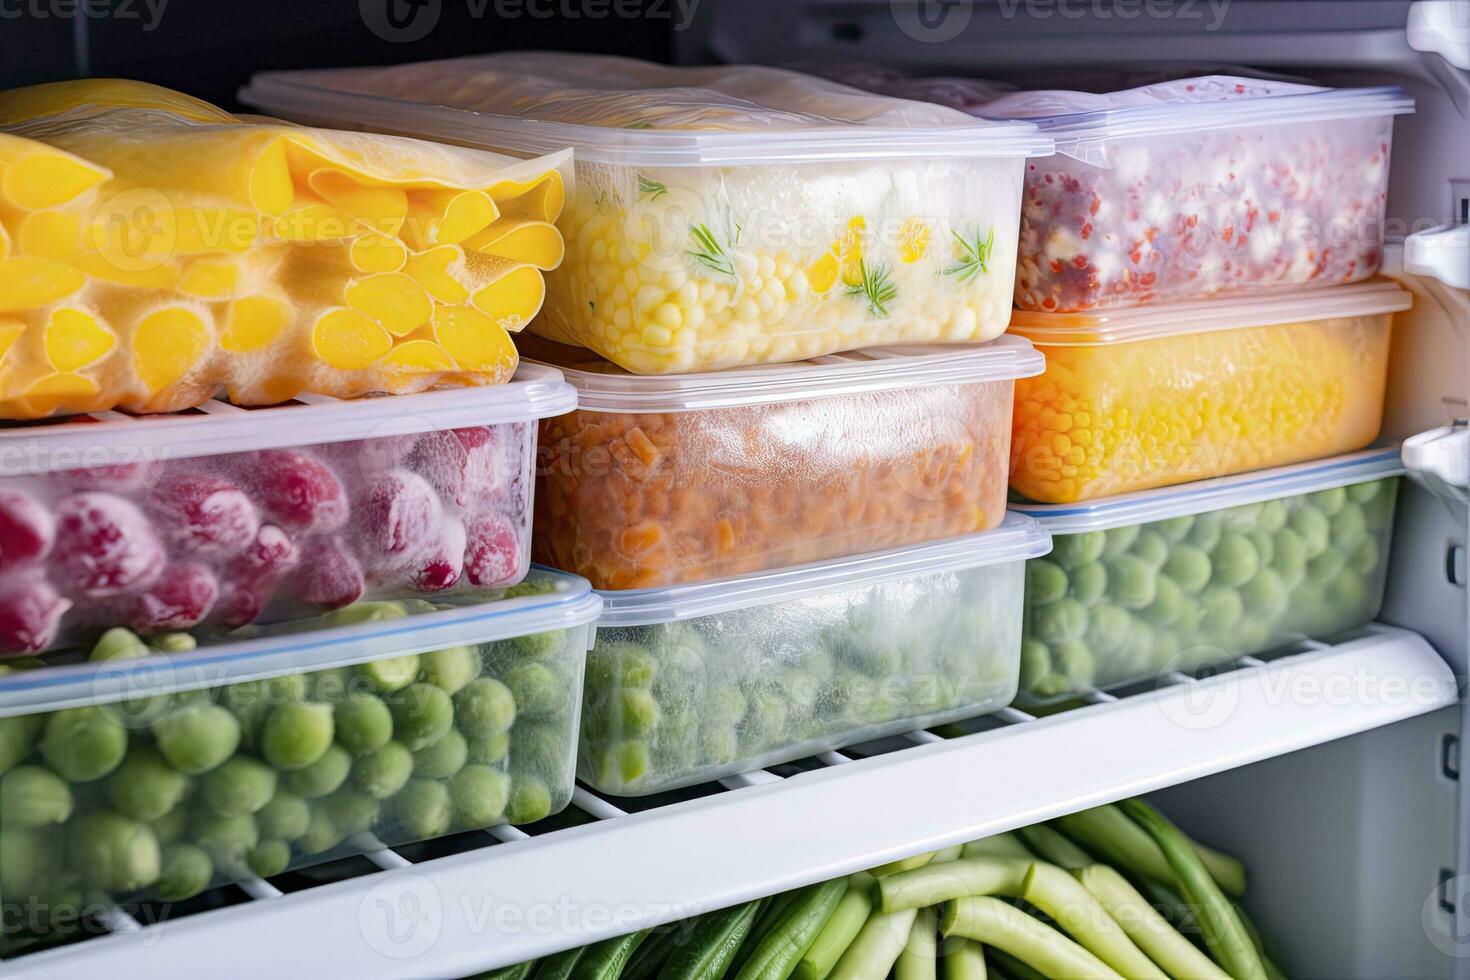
(109, 438)
(605, 387)
(1218, 313)
(1016, 539)
(1146, 506)
(625, 111)
(570, 603)
(1190, 105)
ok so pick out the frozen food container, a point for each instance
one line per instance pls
(655, 481)
(221, 517)
(1201, 186)
(1133, 399)
(1178, 579)
(694, 682)
(149, 778)
(155, 249)
(724, 215)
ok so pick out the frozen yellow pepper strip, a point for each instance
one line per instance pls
(536, 200)
(474, 340)
(75, 338)
(252, 323)
(167, 343)
(509, 294)
(313, 220)
(393, 299)
(446, 217)
(11, 330)
(228, 276)
(150, 276)
(58, 392)
(535, 243)
(47, 234)
(35, 176)
(376, 252)
(346, 339)
(26, 283)
(381, 208)
(133, 229)
(423, 356)
(441, 272)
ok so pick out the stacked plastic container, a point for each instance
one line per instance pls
(769, 483)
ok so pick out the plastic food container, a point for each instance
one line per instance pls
(656, 481)
(1150, 397)
(155, 250)
(148, 779)
(729, 215)
(226, 516)
(691, 683)
(1175, 580)
(1201, 186)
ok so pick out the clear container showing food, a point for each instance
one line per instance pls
(657, 481)
(1183, 578)
(1149, 397)
(1199, 187)
(149, 776)
(724, 215)
(690, 683)
(217, 518)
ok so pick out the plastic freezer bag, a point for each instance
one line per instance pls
(157, 250)
(725, 215)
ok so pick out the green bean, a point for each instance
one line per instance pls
(1116, 840)
(519, 971)
(965, 962)
(954, 879)
(1053, 847)
(1011, 968)
(712, 945)
(876, 947)
(1069, 905)
(558, 966)
(994, 923)
(902, 864)
(999, 845)
(839, 930)
(1150, 930)
(652, 953)
(949, 854)
(605, 960)
(1229, 943)
(779, 950)
(1273, 972)
(916, 962)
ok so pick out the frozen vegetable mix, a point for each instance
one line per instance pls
(732, 215)
(155, 250)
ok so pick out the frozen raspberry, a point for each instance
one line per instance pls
(394, 515)
(271, 555)
(240, 603)
(30, 614)
(179, 599)
(463, 465)
(439, 567)
(104, 545)
(298, 491)
(367, 457)
(492, 552)
(27, 529)
(329, 575)
(200, 513)
(109, 476)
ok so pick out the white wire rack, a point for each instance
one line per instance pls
(453, 907)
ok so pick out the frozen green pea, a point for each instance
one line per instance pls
(1186, 624)
(184, 871)
(1074, 661)
(1174, 529)
(541, 644)
(719, 744)
(145, 786)
(530, 800)
(1289, 558)
(1052, 686)
(478, 796)
(390, 674)
(1035, 661)
(296, 734)
(362, 722)
(1071, 550)
(1265, 545)
(239, 786)
(83, 744)
(1272, 516)
(1118, 540)
(321, 832)
(1205, 533)
(33, 796)
(1222, 609)
(451, 668)
(1329, 502)
(1365, 557)
(197, 737)
(285, 817)
(1089, 582)
(1348, 526)
(1326, 566)
(330, 686)
(726, 705)
(422, 713)
(1234, 561)
(1168, 603)
(636, 667)
(1060, 621)
(484, 707)
(542, 750)
(115, 853)
(1189, 567)
(269, 858)
(173, 642)
(767, 714)
(119, 644)
(365, 612)
(352, 811)
(638, 712)
(1241, 519)
(442, 759)
(1045, 581)
(1362, 493)
(423, 809)
(536, 688)
(383, 772)
(1151, 547)
(29, 858)
(171, 826)
(1265, 596)
(323, 777)
(623, 764)
(1313, 527)
(1349, 598)
(1107, 629)
(1132, 582)
(17, 738)
(489, 749)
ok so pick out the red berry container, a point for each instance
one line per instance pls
(222, 516)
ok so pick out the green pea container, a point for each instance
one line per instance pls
(1184, 578)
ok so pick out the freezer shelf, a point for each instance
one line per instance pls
(526, 897)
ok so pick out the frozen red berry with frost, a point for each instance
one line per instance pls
(202, 514)
(27, 529)
(30, 614)
(240, 602)
(439, 566)
(271, 555)
(394, 515)
(463, 465)
(297, 490)
(118, 477)
(180, 598)
(329, 574)
(492, 552)
(105, 546)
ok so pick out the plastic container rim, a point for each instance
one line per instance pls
(1147, 506)
(1016, 538)
(49, 689)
